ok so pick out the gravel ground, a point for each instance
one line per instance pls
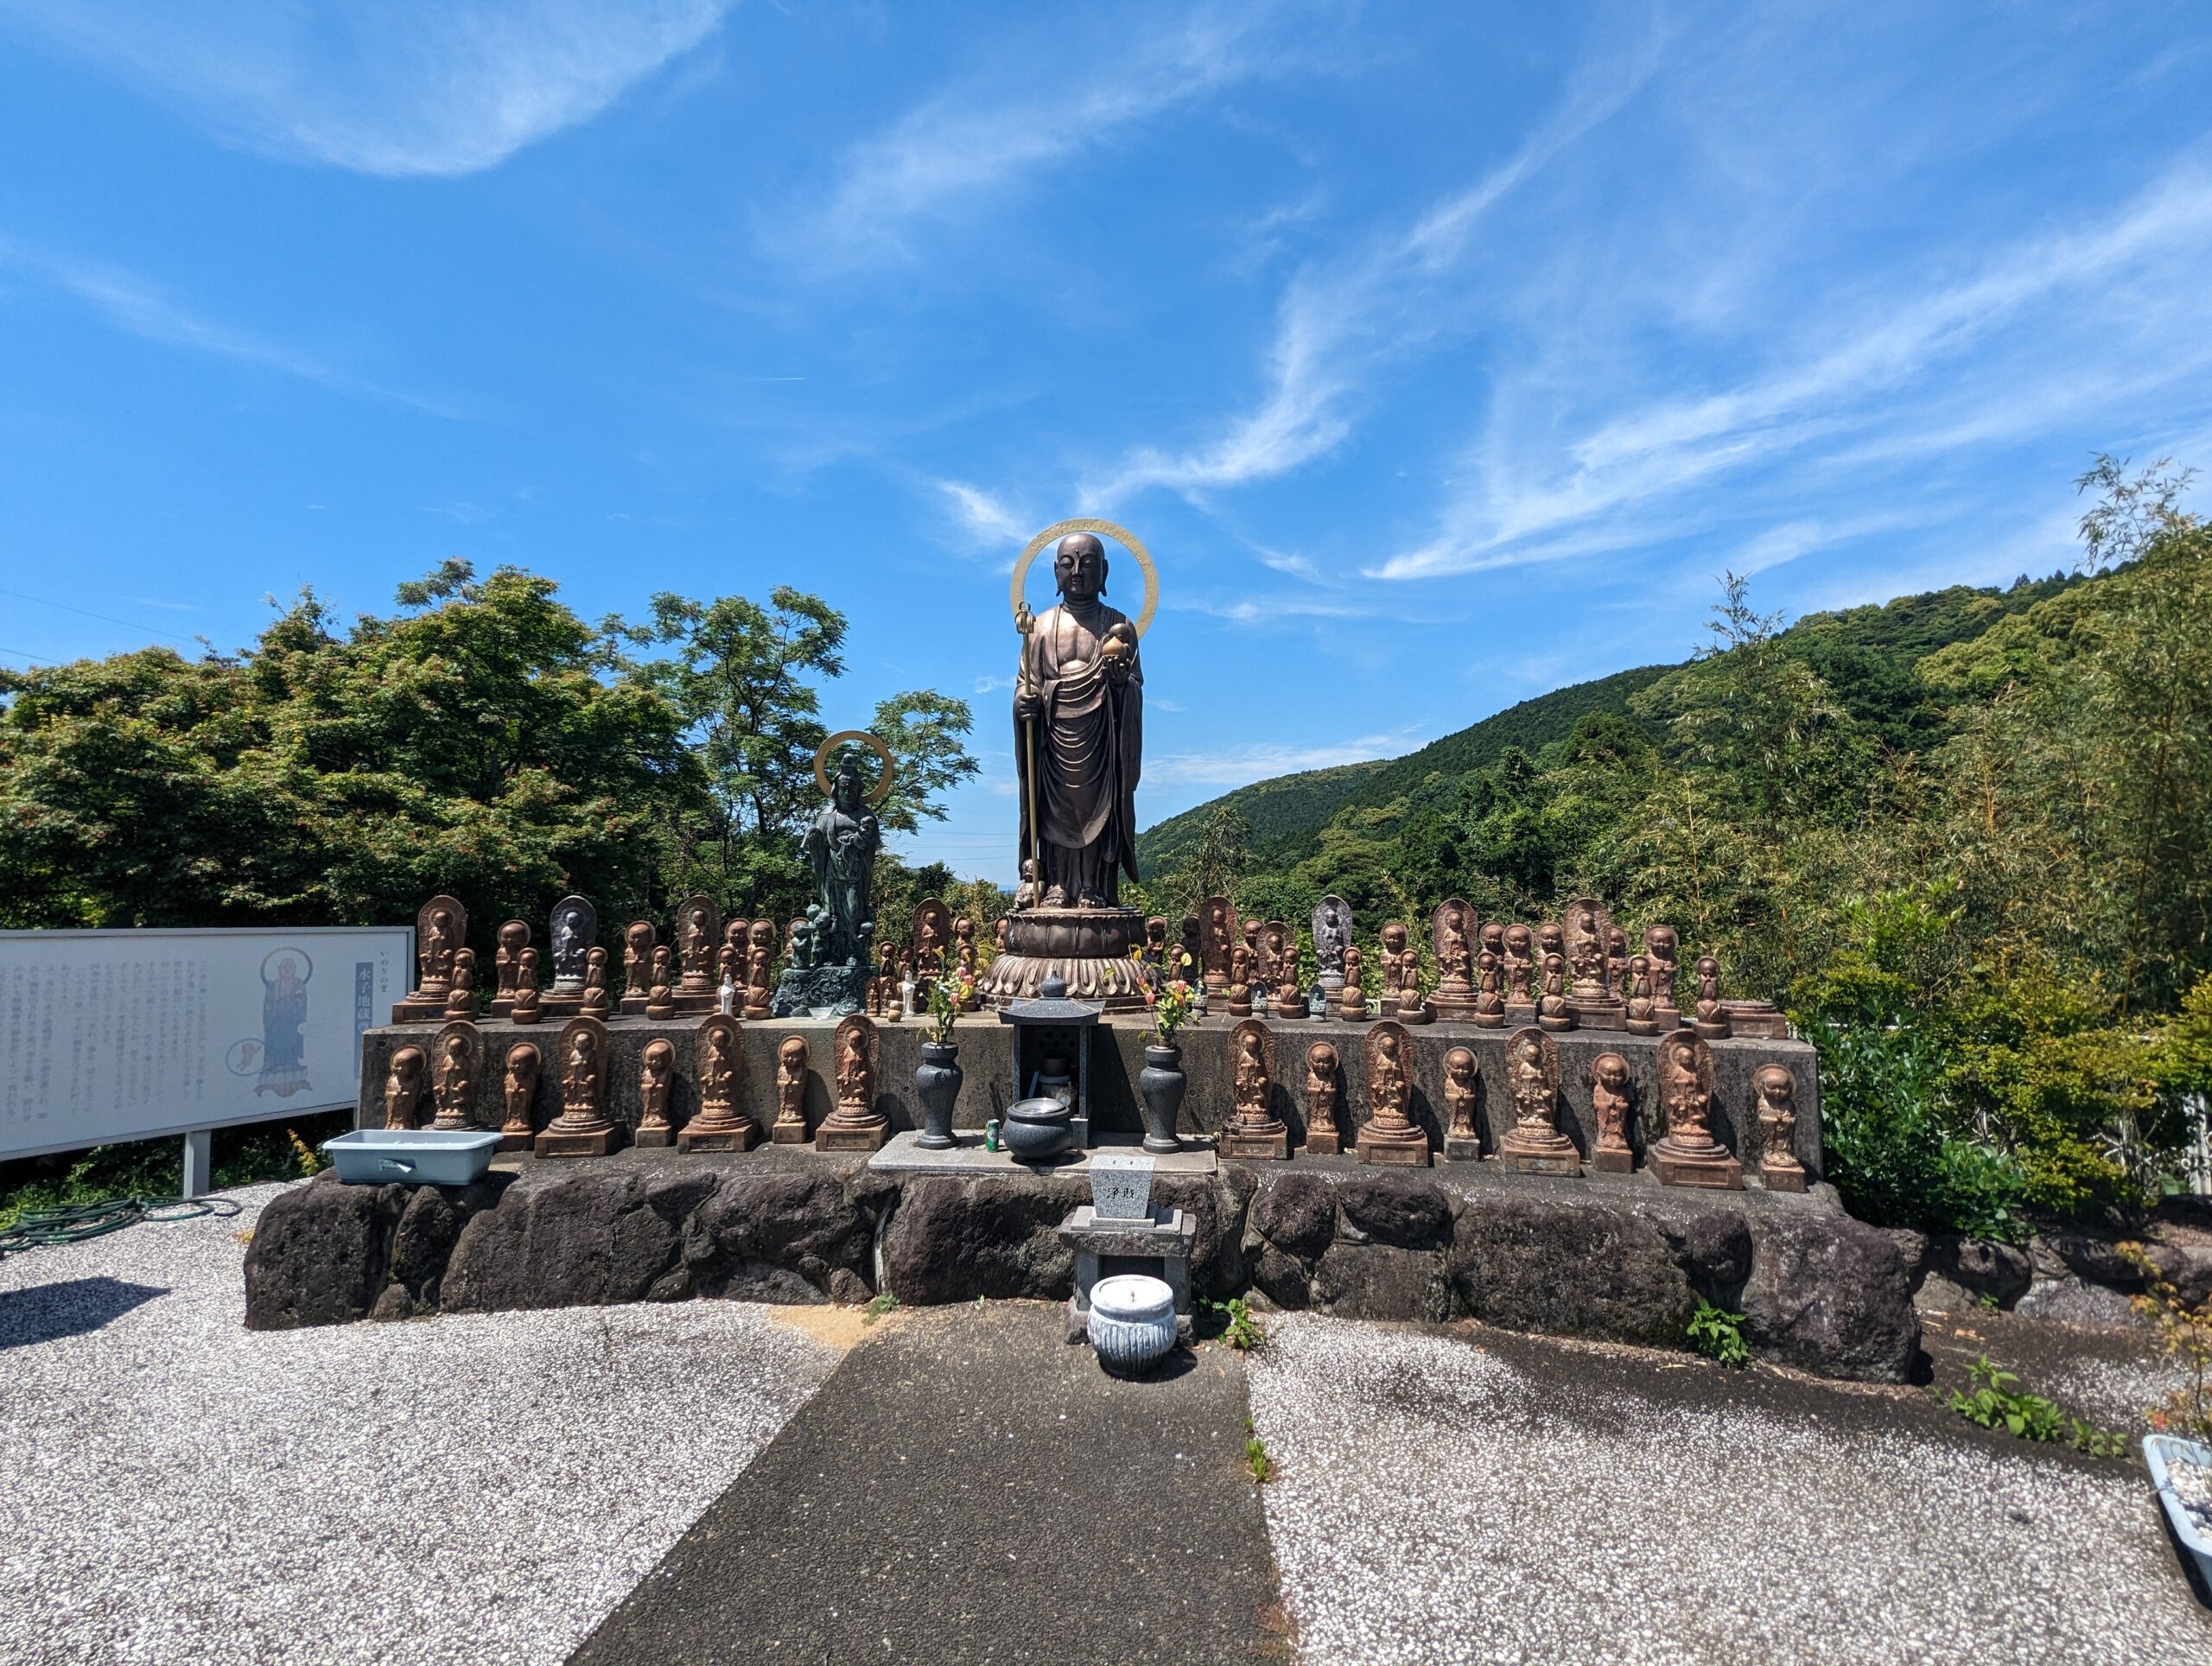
(174, 1487)
(1523, 1500)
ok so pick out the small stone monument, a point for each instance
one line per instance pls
(1389, 1135)
(1218, 937)
(1352, 1000)
(698, 935)
(456, 1058)
(1642, 1010)
(1254, 1131)
(404, 1087)
(1608, 1091)
(1687, 1154)
(461, 999)
(1663, 947)
(759, 962)
(1240, 982)
(1462, 1140)
(1588, 934)
(1120, 1231)
(1452, 931)
(594, 1002)
(660, 998)
(439, 929)
(1289, 1000)
(1331, 928)
(638, 939)
(1711, 1016)
(570, 931)
(518, 1093)
(584, 1128)
(1534, 1144)
(1762, 1020)
(1322, 1095)
(854, 1122)
(1401, 977)
(656, 1076)
(1554, 1011)
(718, 1124)
(523, 1007)
(1520, 975)
(514, 938)
(1779, 1168)
(793, 1067)
(1490, 984)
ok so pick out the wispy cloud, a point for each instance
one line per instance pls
(1227, 767)
(439, 86)
(981, 138)
(984, 521)
(1340, 327)
(136, 305)
(2053, 328)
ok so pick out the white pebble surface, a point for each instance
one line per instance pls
(469, 1488)
(1437, 1503)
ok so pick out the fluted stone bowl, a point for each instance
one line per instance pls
(1131, 1323)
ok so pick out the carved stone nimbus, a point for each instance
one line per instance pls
(1534, 1144)
(656, 1076)
(404, 1087)
(1687, 1154)
(581, 1055)
(792, 1065)
(1711, 1016)
(1610, 1080)
(1777, 1089)
(1322, 1063)
(518, 1093)
(457, 1060)
(1254, 1131)
(441, 928)
(854, 1122)
(1391, 1134)
(717, 1057)
(1462, 1089)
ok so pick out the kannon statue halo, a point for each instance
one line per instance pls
(1078, 736)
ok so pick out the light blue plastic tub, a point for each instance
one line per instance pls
(2159, 1450)
(418, 1156)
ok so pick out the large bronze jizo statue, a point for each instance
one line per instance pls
(1078, 725)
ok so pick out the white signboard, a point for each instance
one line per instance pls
(126, 1035)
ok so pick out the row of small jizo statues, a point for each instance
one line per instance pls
(445, 1073)
(712, 965)
(1685, 1153)
(1559, 974)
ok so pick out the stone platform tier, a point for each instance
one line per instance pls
(1094, 949)
(1117, 1058)
(1616, 1258)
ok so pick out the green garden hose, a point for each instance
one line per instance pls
(76, 1222)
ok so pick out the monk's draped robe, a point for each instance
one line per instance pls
(1088, 743)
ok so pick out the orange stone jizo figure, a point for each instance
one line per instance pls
(519, 1092)
(1534, 1144)
(402, 1087)
(1322, 1139)
(718, 1124)
(1777, 1093)
(1609, 1089)
(1687, 1154)
(1389, 1135)
(1462, 1141)
(523, 1007)
(453, 1073)
(582, 1128)
(1254, 1131)
(461, 999)
(792, 1062)
(439, 929)
(854, 1124)
(656, 1076)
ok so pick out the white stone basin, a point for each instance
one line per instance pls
(1131, 1323)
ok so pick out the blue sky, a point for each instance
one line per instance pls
(1441, 355)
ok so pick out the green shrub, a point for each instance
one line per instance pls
(1718, 1334)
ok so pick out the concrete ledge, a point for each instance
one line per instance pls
(1611, 1256)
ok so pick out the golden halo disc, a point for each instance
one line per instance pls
(1121, 535)
(874, 743)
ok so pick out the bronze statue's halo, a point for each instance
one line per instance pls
(874, 743)
(1121, 535)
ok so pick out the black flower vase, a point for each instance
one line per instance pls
(937, 1085)
(1162, 1083)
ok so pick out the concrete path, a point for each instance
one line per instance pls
(968, 1487)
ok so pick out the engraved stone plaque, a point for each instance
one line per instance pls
(1121, 1186)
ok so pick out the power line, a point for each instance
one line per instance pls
(108, 618)
(36, 659)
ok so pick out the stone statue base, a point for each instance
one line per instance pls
(1613, 1159)
(419, 1008)
(1266, 1142)
(1782, 1178)
(1424, 1014)
(1453, 1006)
(788, 1134)
(1597, 1015)
(1533, 1153)
(738, 1134)
(853, 1137)
(701, 1001)
(1407, 1146)
(1322, 1140)
(1760, 1019)
(821, 992)
(1462, 1149)
(663, 1135)
(1709, 1165)
(1094, 949)
(596, 1143)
